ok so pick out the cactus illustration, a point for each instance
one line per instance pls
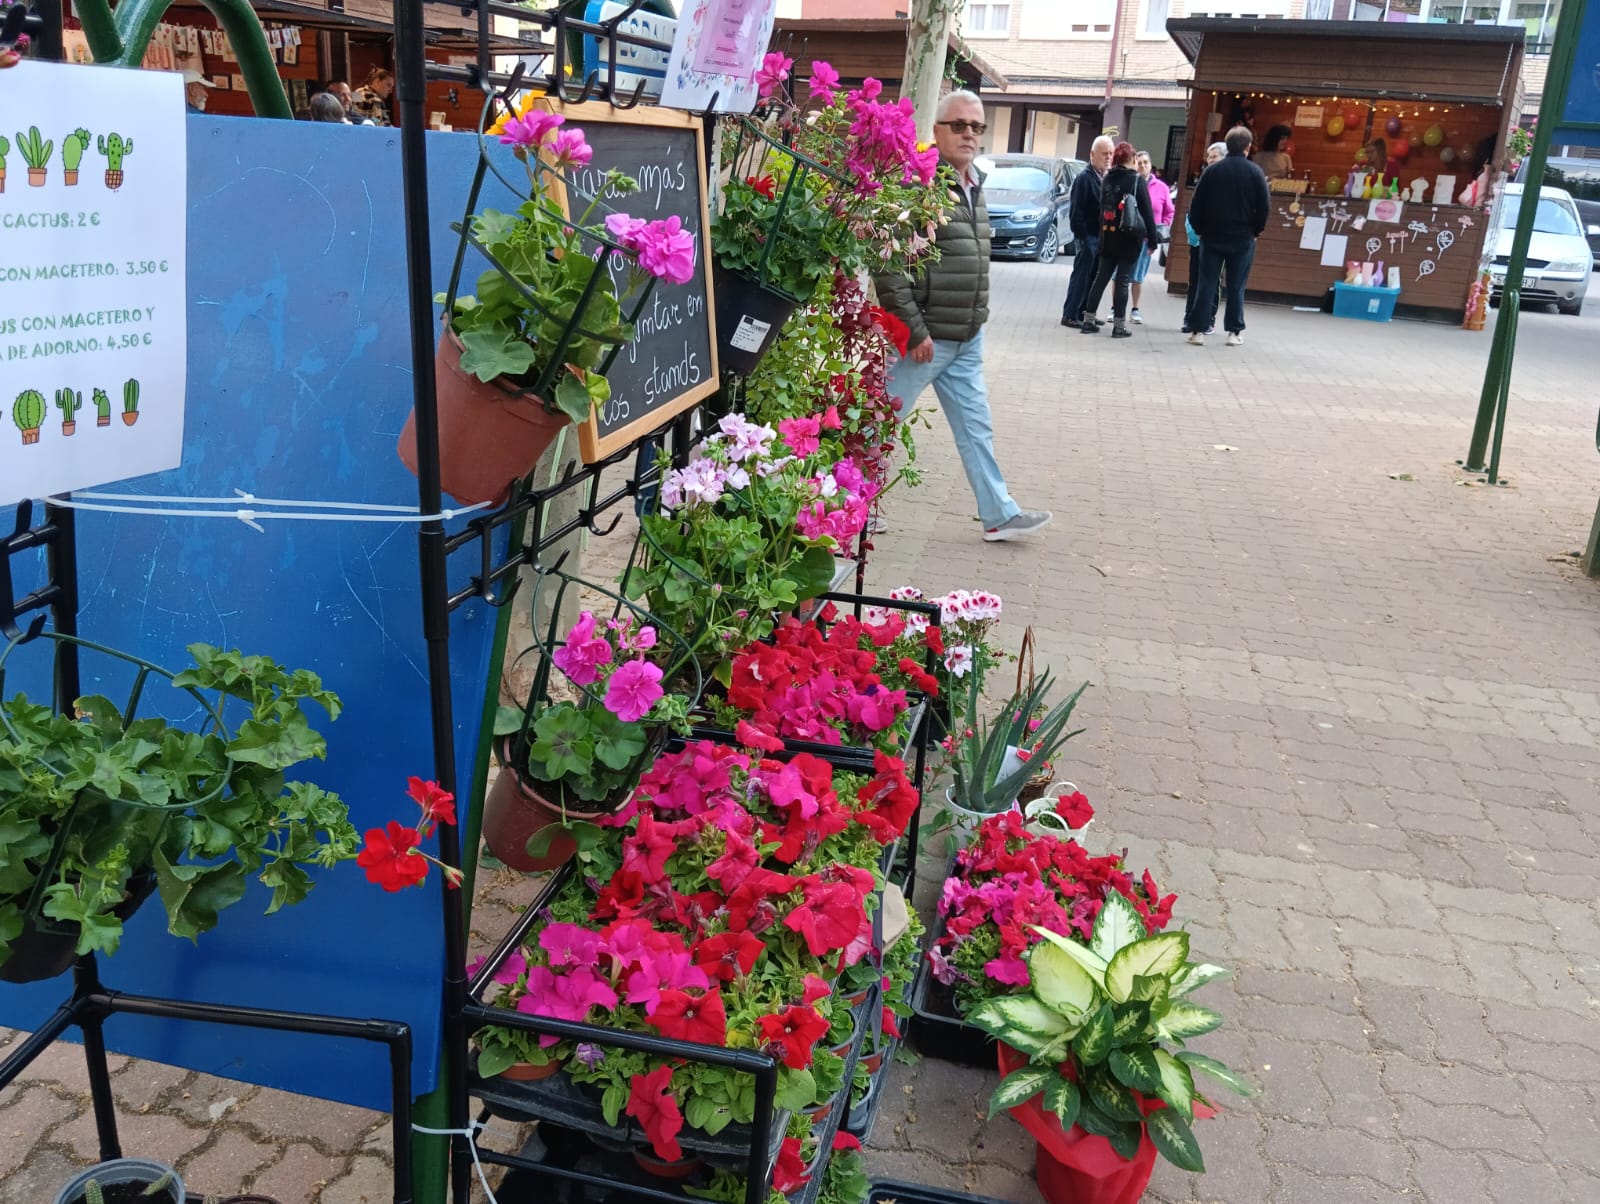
(35, 153)
(5, 149)
(69, 402)
(102, 408)
(115, 150)
(72, 148)
(130, 402)
(28, 413)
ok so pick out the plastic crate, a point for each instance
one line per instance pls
(882, 1191)
(1364, 303)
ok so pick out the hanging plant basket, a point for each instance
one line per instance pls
(45, 949)
(490, 434)
(749, 317)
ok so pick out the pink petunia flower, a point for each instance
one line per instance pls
(773, 71)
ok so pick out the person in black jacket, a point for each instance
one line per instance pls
(1127, 226)
(1083, 216)
(1228, 211)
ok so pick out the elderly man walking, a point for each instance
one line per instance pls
(945, 309)
(1228, 211)
(1083, 215)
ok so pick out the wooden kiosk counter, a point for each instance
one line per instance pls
(1443, 98)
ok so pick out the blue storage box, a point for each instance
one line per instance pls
(1372, 304)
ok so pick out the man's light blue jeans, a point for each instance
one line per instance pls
(956, 374)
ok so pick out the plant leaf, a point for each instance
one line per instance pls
(1117, 926)
(1175, 1140)
(1020, 1021)
(1156, 955)
(1193, 977)
(494, 1059)
(1082, 954)
(1060, 982)
(1062, 1097)
(1177, 1083)
(1136, 1068)
(1183, 1020)
(1093, 1041)
(1226, 1075)
(1111, 1097)
(1019, 1087)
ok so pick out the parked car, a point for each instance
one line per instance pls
(1027, 197)
(1581, 178)
(1559, 257)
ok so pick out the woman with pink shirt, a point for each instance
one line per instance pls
(1161, 206)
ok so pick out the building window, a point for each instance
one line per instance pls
(1059, 20)
(1155, 18)
(986, 20)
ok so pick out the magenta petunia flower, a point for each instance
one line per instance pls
(773, 71)
(633, 690)
(531, 129)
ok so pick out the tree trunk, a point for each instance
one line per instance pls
(927, 41)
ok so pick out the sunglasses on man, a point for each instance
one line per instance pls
(961, 127)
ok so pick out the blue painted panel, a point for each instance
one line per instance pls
(299, 381)
(1581, 105)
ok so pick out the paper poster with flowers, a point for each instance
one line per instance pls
(715, 52)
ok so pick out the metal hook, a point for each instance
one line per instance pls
(589, 83)
(631, 101)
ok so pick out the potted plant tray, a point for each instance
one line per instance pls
(885, 1191)
(939, 1029)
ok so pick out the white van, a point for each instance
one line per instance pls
(1559, 258)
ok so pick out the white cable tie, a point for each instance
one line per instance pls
(250, 516)
(471, 1134)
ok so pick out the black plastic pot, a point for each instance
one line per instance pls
(126, 1181)
(937, 1029)
(882, 1191)
(44, 949)
(748, 320)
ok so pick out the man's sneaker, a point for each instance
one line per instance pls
(1138, 319)
(1070, 322)
(1236, 338)
(1196, 339)
(1023, 522)
(877, 525)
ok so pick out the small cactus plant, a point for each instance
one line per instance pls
(28, 413)
(69, 402)
(115, 149)
(35, 153)
(102, 408)
(130, 402)
(73, 147)
(5, 149)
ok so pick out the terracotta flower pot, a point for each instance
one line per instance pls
(489, 435)
(70, 177)
(36, 176)
(513, 813)
(871, 1062)
(527, 1072)
(662, 1169)
(129, 417)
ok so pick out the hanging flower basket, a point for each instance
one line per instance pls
(749, 317)
(44, 949)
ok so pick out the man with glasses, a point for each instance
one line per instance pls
(945, 308)
(1083, 215)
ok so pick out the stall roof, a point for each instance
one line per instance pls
(1190, 33)
(869, 33)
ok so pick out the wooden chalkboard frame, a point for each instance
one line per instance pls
(593, 445)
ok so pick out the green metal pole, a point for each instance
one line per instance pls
(1497, 379)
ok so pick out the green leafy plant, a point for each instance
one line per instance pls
(89, 800)
(5, 149)
(28, 413)
(73, 147)
(102, 408)
(35, 148)
(991, 760)
(1102, 1027)
(130, 397)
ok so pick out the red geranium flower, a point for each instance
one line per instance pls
(437, 803)
(650, 1102)
(765, 185)
(793, 1033)
(390, 857)
(683, 1017)
(896, 331)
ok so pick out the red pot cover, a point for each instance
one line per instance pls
(1077, 1167)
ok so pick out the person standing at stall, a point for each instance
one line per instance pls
(1127, 227)
(1083, 215)
(372, 98)
(945, 310)
(1214, 154)
(1160, 205)
(1229, 211)
(1273, 157)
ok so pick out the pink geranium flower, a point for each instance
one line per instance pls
(773, 71)
(666, 250)
(801, 434)
(531, 129)
(633, 690)
(583, 652)
(571, 149)
(824, 82)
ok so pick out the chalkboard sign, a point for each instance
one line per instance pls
(672, 362)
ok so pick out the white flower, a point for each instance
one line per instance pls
(958, 659)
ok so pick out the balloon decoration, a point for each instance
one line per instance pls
(1400, 148)
(1334, 186)
(1447, 155)
(1392, 126)
(1335, 127)
(1433, 135)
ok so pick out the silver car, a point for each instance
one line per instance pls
(1559, 257)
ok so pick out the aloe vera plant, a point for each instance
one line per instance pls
(1103, 1027)
(35, 150)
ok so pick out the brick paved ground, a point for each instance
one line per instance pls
(1343, 700)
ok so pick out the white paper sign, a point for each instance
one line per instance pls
(1312, 233)
(1333, 250)
(93, 334)
(716, 49)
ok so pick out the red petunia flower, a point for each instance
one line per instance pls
(650, 1102)
(793, 1033)
(844, 1141)
(1074, 808)
(683, 1017)
(389, 858)
(728, 955)
(788, 1172)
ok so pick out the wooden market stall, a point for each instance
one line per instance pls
(1442, 97)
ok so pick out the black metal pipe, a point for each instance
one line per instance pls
(86, 986)
(39, 1040)
(411, 99)
(62, 559)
